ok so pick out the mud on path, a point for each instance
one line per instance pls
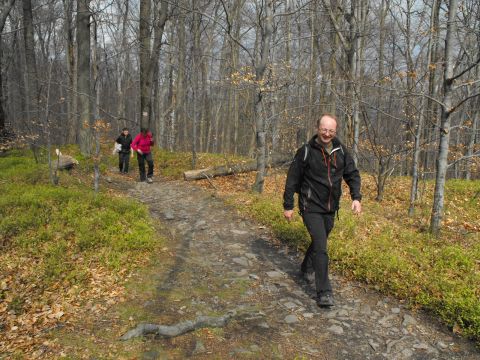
(221, 261)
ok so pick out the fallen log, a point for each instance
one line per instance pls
(168, 331)
(224, 170)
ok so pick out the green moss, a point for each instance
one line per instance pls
(58, 224)
(398, 258)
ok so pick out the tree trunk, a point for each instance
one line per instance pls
(144, 56)
(2, 112)
(196, 68)
(5, 7)
(180, 118)
(83, 75)
(472, 138)
(416, 159)
(122, 65)
(154, 64)
(31, 88)
(266, 33)
(432, 107)
(73, 126)
(442, 160)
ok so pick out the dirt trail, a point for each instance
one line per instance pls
(224, 262)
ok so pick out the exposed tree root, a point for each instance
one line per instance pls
(168, 331)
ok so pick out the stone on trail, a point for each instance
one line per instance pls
(290, 305)
(275, 274)
(373, 344)
(408, 321)
(239, 232)
(336, 329)
(291, 319)
(241, 261)
(169, 215)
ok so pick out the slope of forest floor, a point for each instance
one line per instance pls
(79, 270)
(215, 261)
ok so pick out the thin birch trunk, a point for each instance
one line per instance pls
(31, 84)
(472, 139)
(260, 68)
(83, 75)
(442, 159)
(73, 126)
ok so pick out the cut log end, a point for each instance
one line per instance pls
(66, 162)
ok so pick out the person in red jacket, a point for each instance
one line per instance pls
(141, 144)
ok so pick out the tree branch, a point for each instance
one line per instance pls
(462, 101)
(466, 157)
(168, 331)
(466, 70)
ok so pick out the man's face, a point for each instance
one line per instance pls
(327, 130)
(125, 132)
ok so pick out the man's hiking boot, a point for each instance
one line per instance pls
(325, 300)
(308, 277)
(149, 180)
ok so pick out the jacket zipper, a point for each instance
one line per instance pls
(330, 179)
(330, 182)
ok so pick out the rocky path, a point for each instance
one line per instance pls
(224, 262)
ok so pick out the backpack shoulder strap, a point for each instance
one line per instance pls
(306, 152)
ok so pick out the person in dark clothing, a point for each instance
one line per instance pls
(125, 140)
(141, 144)
(316, 173)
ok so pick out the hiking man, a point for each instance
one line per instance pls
(316, 174)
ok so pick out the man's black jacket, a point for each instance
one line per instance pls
(125, 141)
(318, 179)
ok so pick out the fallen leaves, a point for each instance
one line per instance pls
(28, 320)
(457, 221)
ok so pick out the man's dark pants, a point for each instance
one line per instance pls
(141, 165)
(124, 160)
(316, 258)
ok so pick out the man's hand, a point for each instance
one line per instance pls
(356, 207)
(140, 152)
(288, 214)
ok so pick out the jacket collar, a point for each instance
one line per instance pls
(337, 145)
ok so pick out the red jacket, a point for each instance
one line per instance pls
(142, 143)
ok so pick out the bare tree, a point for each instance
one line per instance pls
(266, 28)
(5, 7)
(83, 75)
(30, 62)
(447, 108)
(149, 56)
(71, 71)
(419, 130)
